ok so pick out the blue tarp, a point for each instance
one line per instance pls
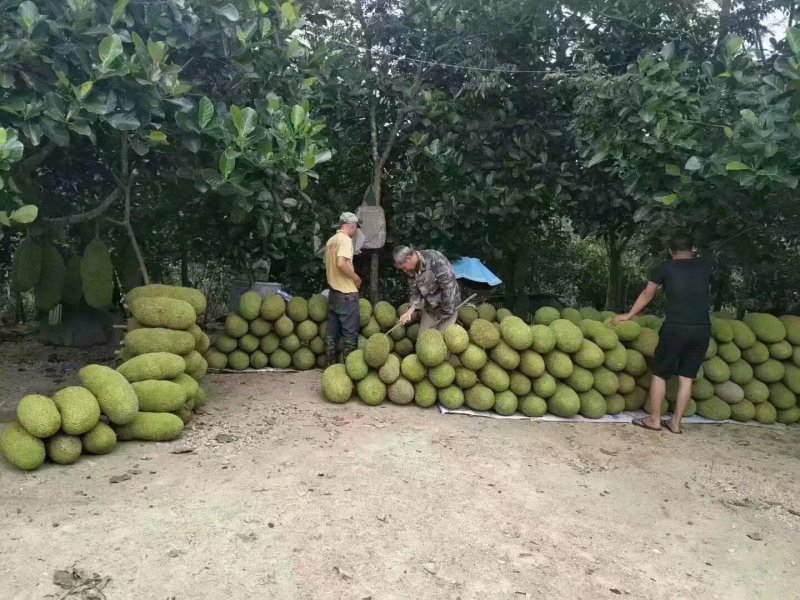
(474, 270)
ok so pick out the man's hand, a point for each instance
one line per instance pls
(620, 318)
(357, 281)
(406, 317)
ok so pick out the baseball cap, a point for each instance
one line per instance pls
(348, 218)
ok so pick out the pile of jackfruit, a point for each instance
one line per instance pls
(149, 397)
(572, 362)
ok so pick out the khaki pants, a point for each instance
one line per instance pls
(431, 321)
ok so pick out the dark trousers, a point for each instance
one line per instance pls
(344, 323)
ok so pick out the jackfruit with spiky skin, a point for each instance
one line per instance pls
(516, 333)
(250, 305)
(159, 396)
(413, 369)
(572, 315)
(269, 343)
(101, 439)
(371, 328)
(356, 365)
(792, 325)
(756, 354)
(743, 336)
(114, 394)
(280, 359)
(235, 326)
(196, 365)
(297, 309)
(593, 404)
(791, 377)
(721, 330)
(303, 359)
(545, 386)
(225, 343)
(580, 380)
(378, 348)
(456, 338)
(425, 393)
(519, 384)
(97, 275)
(532, 405)
(451, 397)
(158, 339)
(503, 313)
(26, 269)
(716, 370)
(442, 376)
(615, 404)
(63, 449)
(21, 449)
(626, 383)
(627, 331)
(569, 338)
(283, 327)
(546, 315)
(401, 392)
(768, 329)
(781, 397)
(603, 336)
(729, 352)
(702, 389)
(564, 403)
(714, 409)
(789, 416)
(487, 312)
(766, 414)
(364, 311)
(544, 340)
(646, 342)
(404, 347)
(479, 397)
(531, 363)
(712, 349)
(318, 308)
(590, 356)
(390, 370)
(431, 348)
(50, 285)
(153, 365)
(78, 408)
(397, 333)
(39, 415)
(272, 307)
(317, 345)
(616, 359)
(337, 387)
(466, 315)
(743, 411)
(247, 343)
(558, 364)
(781, 350)
(194, 297)
(483, 334)
(258, 360)
(605, 381)
(494, 377)
(729, 392)
(385, 315)
(505, 356)
(756, 391)
(505, 403)
(151, 427)
(465, 378)
(770, 371)
(635, 400)
(166, 312)
(741, 372)
(591, 313)
(473, 358)
(238, 360)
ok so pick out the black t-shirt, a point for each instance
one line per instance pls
(687, 283)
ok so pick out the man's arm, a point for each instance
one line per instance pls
(415, 302)
(645, 298)
(345, 265)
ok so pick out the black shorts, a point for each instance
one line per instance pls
(681, 350)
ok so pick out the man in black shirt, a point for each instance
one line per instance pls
(683, 339)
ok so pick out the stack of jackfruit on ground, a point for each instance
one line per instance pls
(148, 397)
(569, 362)
(271, 332)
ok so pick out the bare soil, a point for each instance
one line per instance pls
(274, 493)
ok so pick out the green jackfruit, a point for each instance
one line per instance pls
(318, 308)
(307, 331)
(473, 358)
(21, 449)
(580, 379)
(225, 344)
(721, 330)
(545, 386)
(479, 397)
(756, 391)
(290, 343)
(413, 332)
(166, 312)
(505, 403)
(153, 365)
(781, 350)
(716, 370)
(247, 343)
(564, 403)
(250, 305)
(768, 329)
(236, 326)
(648, 408)
(766, 414)
(616, 359)
(646, 342)
(487, 312)
(297, 309)
(456, 338)
(451, 397)
(390, 370)
(465, 378)
(280, 359)
(51, 282)
(196, 365)
(604, 337)
(792, 325)
(741, 372)
(531, 363)
(269, 343)
(569, 338)
(503, 313)
(101, 439)
(425, 394)
(626, 383)
(590, 356)
(364, 311)
(743, 336)
(627, 331)
(505, 356)
(283, 327)
(238, 360)
(516, 333)
(73, 284)
(532, 406)
(743, 411)
(467, 315)
(605, 381)
(39, 415)
(729, 352)
(257, 360)
(337, 386)
(615, 404)
(385, 315)
(593, 404)
(272, 308)
(431, 348)
(714, 409)
(79, 409)
(26, 269)
(356, 365)
(401, 392)
(519, 384)
(483, 334)
(756, 354)
(303, 359)
(158, 339)
(635, 400)
(546, 315)
(63, 449)
(404, 347)
(371, 328)
(377, 350)
(702, 389)
(781, 397)
(412, 368)
(650, 322)
(443, 375)
(572, 315)
(729, 392)
(194, 297)
(151, 427)
(589, 312)
(544, 339)
(789, 416)
(494, 377)
(97, 275)
(712, 349)
(159, 396)
(791, 377)
(115, 395)
(558, 364)
(770, 371)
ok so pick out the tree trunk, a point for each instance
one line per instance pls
(724, 21)
(510, 279)
(614, 247)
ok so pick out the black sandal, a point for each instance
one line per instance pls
(641, 423)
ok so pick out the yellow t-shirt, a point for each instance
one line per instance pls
(339, 245)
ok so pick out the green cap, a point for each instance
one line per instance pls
(348, 218)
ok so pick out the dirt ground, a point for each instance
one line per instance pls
(274, 493)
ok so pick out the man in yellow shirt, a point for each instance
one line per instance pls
(343, 284)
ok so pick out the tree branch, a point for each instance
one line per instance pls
(96, 212)
(401, 114)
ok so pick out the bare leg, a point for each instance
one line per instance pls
(684, 394)
(658, 389)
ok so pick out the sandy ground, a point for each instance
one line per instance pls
(283, 495)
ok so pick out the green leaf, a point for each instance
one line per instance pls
(728, 132)
(229, 11)
(793, 39)
(4, 217)
(238, 118)
(673, 170)
(273, 101)
(124, 121)
(85, 89)
(733, 44)
(263, 8)
(596, 159)
(227, 162)
(288, 12)
(28, 15)
(110, 48)
(25, 214)
(157, 136)
(205, 112)
(737, 166)
(303, 181)
(290, 202)
(693, 164)
(249, 119)
(668, 51)
(119, 10)
(3, 136)
(324, 156)
(298, 116)
(666, 199)
(157, 51)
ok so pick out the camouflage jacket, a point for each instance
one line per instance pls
(434, 286)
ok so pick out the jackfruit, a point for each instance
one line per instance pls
(412, 368)
(789, 416)
(564, 403)
(479, 397)
(494, 377)
(151, 427)
(487, 312)
(635, 400)
(50, 285)
(593, 404)
(558, 364)
(317, 345)
(72, 292)
(605, 381)
(63, 449)
(356, 365)
(364, 311)
(721, 330)
(646, 342)
(236, 326)
(532, 405)
(431, 348)
(791, 377)
(781, 350)
(397, 333)
(756, 391)
(250, 305)
(153, 365)
(768, 329)
(269, 343)
(716, 370)
(318, 308)
(165, 312)
(184, 413)
(743, 336)
(456, 338)
(516, 333)
(781, 397)
(702, 389)
(756, 354)
(743, 411)
(473, 358)
(712, 349)
(248, 343)
(590, 356)
(546, 315)
(196, 365)
(225, 343)
(78, 409)
(21, 449)
(238, 360)
(792, 325)
(297, 309)
(258, 360)
(283, 327)
(589, 312)
(770, 371)
(505, 403)
(158, 339)
(378, 348)
(401, 392)
(544, 339)
(741, 372)
(27, 266)
(545, 386)
(603, 336)
(371, 328)
(443, 375)
(158, 290)
(519, 384)
(273, 307)
(467, 315)
(572, 315)
(505, 356)
(650, 322)
(413, 332)
(260, 327)
(615, 404)
(451, 397)
(729, 352)
(203, 345)
(607, 314)
(627, 331)
(626, 383)
(114, 394)
(38, 415)
(766, 414)
(616, 359)
(101, 439)
(483, 334)
(337, 386)
(714, 409)
(385, 315)
(303, 359)
(280, 359)
(159, 396)
(729, 392)
(404, 347)
(531, 363)
(390, 371)
(425, 394)
(569, 338)
(290, 343)
(580, 379)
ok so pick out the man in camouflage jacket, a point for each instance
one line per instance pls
(434, 288)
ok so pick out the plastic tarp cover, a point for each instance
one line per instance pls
(474, 270)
